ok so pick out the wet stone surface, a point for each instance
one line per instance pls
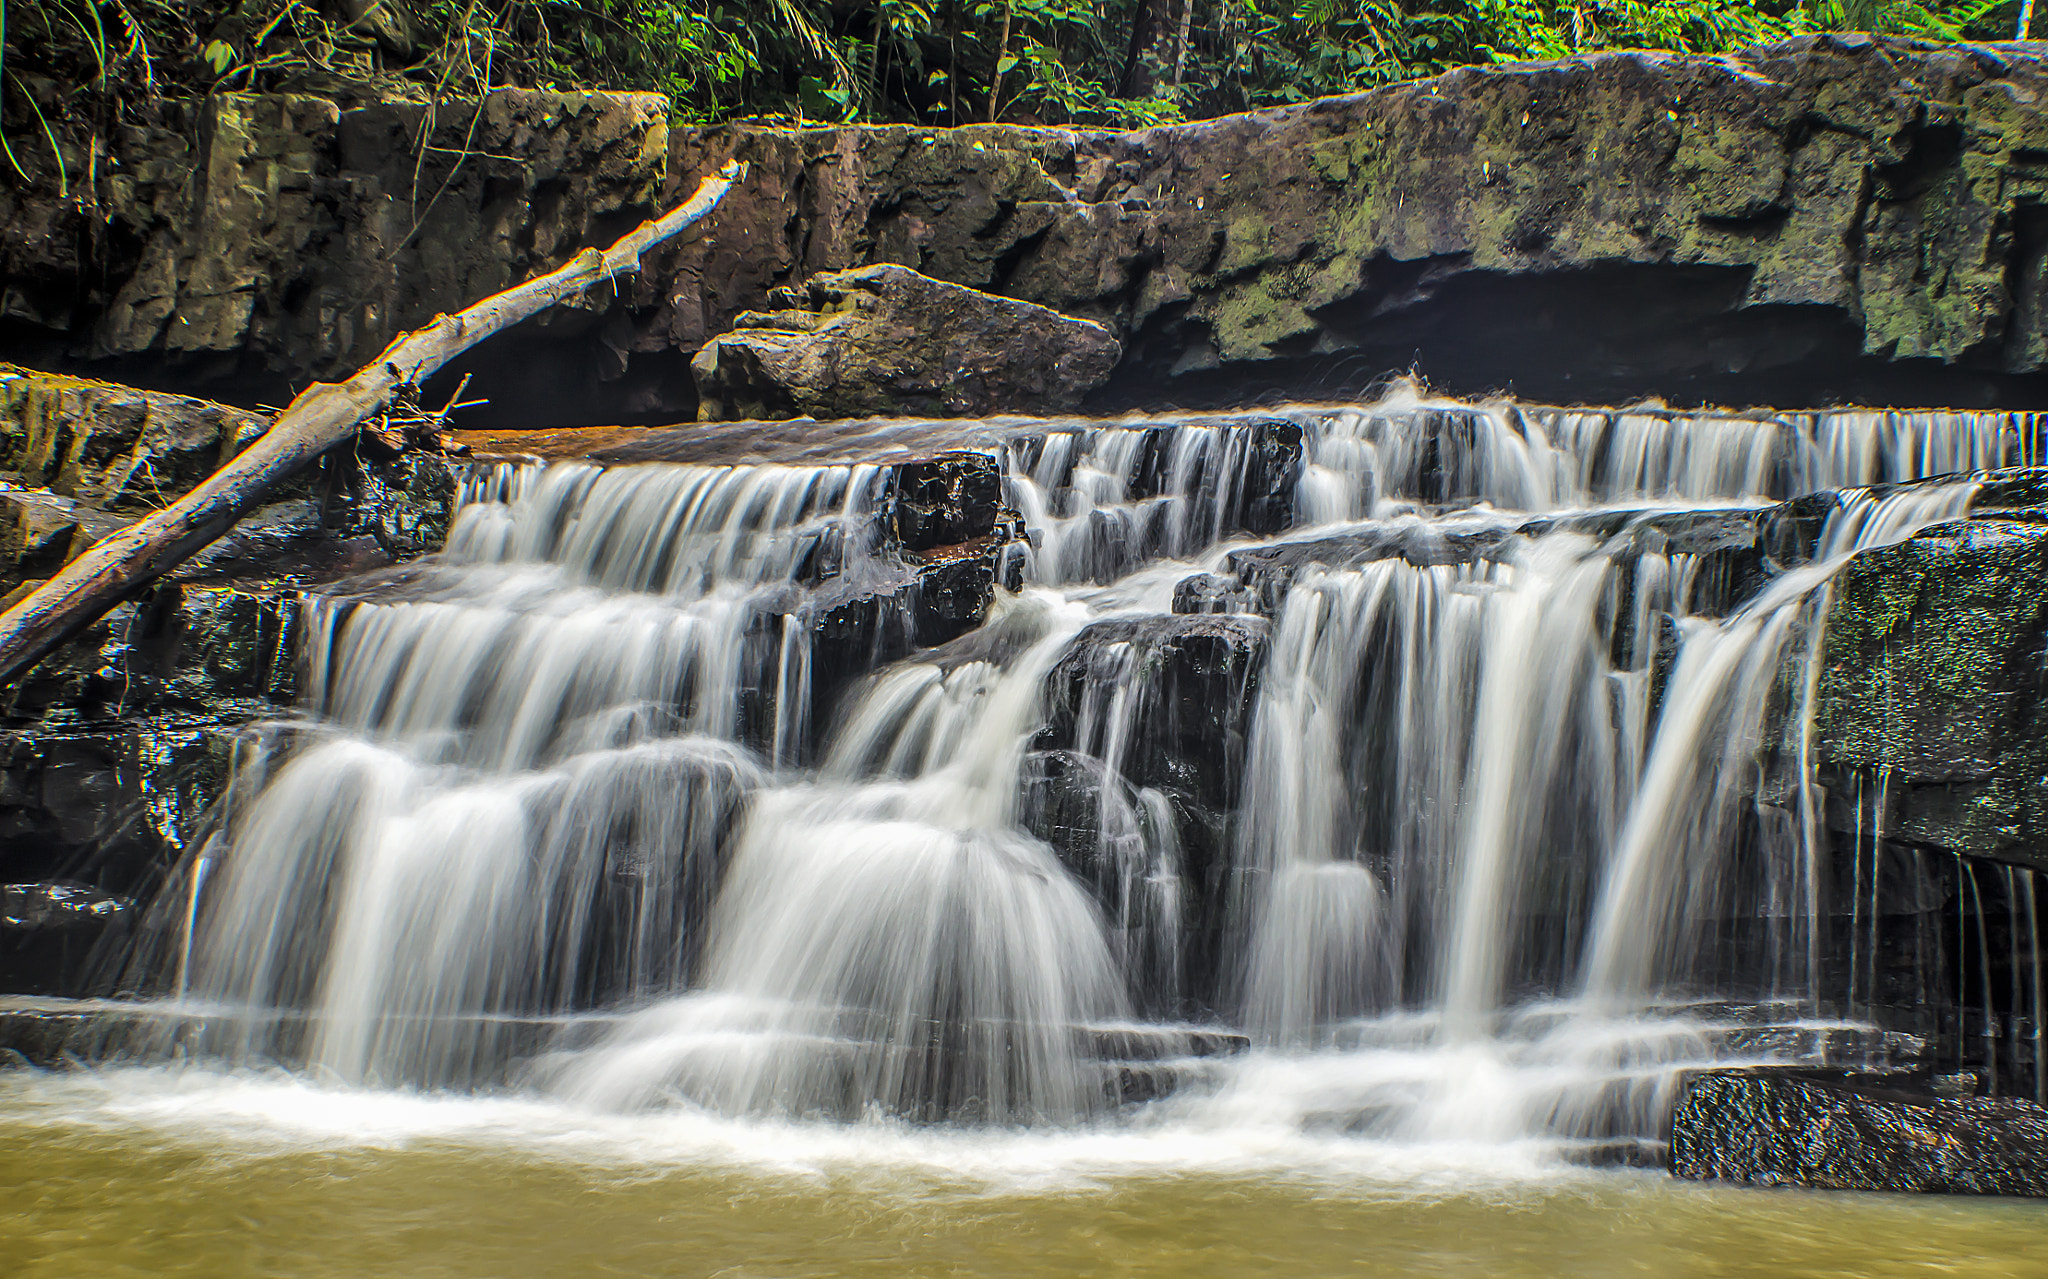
(1788, 1128)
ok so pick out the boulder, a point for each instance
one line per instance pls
(1773, 1127)
(1932, 675)
(884, 339)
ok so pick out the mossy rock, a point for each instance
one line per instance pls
(1932, 675)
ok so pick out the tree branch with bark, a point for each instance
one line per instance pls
(323, 415)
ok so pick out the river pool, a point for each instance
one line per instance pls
(170, 1171)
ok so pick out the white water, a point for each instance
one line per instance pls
(559, 771)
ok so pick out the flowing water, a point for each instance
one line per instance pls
(1331, 836)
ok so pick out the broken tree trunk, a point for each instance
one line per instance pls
(322, 416)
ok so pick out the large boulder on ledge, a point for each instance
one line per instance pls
(883, 339)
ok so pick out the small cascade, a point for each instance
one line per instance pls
(1704, 758)
(1448, 759)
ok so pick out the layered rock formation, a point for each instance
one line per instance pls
(113, 749)
(252, 243)
(1830, 219)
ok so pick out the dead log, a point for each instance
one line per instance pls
(323, 415)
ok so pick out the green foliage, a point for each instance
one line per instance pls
(1122, 63)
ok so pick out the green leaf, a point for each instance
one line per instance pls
(220, 56)
(822, 100)
(1006, 64)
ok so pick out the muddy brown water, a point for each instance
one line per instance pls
(162, 1172)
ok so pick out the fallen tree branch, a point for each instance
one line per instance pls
(322, 416)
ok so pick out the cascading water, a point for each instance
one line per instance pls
(1430, 815)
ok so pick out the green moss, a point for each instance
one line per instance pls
(1252, 314)
(1926, 641)
(1247, 242)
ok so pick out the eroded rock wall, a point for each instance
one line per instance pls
(253, 243)
(1831, 219)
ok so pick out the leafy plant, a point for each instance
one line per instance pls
(1061, 62)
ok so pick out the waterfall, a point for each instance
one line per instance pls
(1707, 738)
(1417, 739)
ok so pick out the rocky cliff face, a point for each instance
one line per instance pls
(1829, 219)
(256, 242)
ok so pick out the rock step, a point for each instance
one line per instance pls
(1767, 1126)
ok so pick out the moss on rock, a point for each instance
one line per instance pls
(1932, 672)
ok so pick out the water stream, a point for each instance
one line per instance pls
(1368, 813)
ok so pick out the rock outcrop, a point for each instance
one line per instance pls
(1831, 218)
(254, 242)
(885, 340)
(1933, 681)
(1787, 1128)
(1835, 218)
(109, 446)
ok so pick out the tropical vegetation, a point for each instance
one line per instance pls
(1095, 62)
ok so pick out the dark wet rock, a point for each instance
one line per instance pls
(405, 503)
(1151, 1061)
(2022, 492)
(1731, 555)
(1159, 705)
(1064, 795)
(1268, 571)
(884, 339)
(1262, 464)
(114, 748)
(113, 447)
(91, 819)
(944, 501)
(42, 1033)
(907, 601)
(1154, 868)
(1786, 1128)
(48, 933)
(1213, 593)
(1265, 494)
(1194, 678)
(83, 459)
(1933, 674)
(205, 647)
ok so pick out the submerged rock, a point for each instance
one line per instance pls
(1772, 1127)
(884, 339)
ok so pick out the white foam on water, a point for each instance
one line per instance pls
(1250, 1130)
